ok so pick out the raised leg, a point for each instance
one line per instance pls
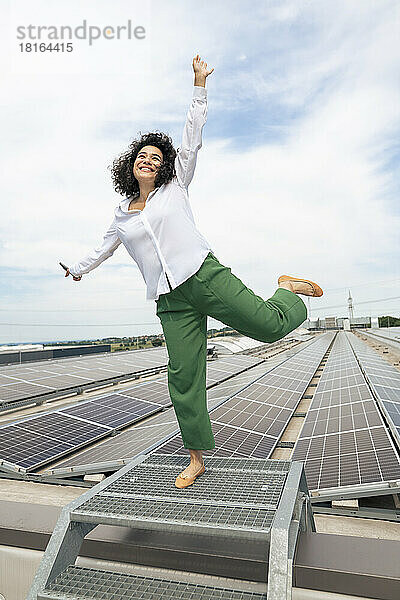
(216, 291)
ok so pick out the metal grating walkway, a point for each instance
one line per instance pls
(77, 582)
(230, 495)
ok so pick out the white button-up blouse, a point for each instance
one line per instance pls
(162, 238)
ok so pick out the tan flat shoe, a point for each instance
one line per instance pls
(317, 291)
(183, 481)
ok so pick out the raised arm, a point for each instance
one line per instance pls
(185, 161)
(96, 256)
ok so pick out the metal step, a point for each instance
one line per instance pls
(241, 511)
(77, 582)
(231, 497)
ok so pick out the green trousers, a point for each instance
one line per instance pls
(215, 291)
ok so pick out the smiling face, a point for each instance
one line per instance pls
(147, 163)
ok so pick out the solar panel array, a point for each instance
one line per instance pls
(229, 387)
(32, 442)
(58, 376)
(344, 441)
(20, 382)
(250, 423)
(108, 412)
(384, 380)
(142, 436)
(390, 333)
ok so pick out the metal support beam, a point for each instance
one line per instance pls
(61, 551)
(356, 491)
(385, 514)
(279, 587)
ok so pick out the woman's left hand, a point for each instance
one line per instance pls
(200, 68)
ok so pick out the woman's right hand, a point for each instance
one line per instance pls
(73, 276)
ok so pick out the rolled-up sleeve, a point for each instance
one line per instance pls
(110, 243)
(185, 161)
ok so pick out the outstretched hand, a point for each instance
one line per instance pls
(201, 71)
(75, 278)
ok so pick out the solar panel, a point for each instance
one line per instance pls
(344, 440)
(227, 366)
(61, 427)
(113, 416)
(60, 381)
(357, 415)
(154, 391)
(390, 335)
(31, 443)
(76, 425)
(384, 379)
(28, 450)
(341, 396)
(20, 382)
(262, 418)
(126, 444)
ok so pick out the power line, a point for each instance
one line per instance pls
(64, 310)
(157, 322)
(150, 322)
(356, 303)
(314, 308)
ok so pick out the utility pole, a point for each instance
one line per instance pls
(350, 306)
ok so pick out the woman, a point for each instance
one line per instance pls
(155, 223)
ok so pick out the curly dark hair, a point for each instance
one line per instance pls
(122, 167)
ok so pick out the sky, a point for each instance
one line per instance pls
(298, 173)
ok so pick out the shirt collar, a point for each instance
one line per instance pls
(125, 203)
